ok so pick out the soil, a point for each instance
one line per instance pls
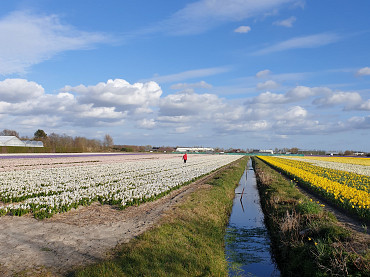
(78, 237)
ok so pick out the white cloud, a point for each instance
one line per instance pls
(190, 74)
(189, 103)
(268, 114)
(263, 73)
(356, 122)
(350, 99)
(269, 98)
(248, 126)
(286, 22)
(14, 90)
(293, 95)
(294, 113)
(31, 39)
(118, 93)
(183, 86)
(242, 29)
(312, 41)
(365, 106)
(363, 71)
(200, 16)
(100, 113)
(182, 129)
(302, 92)
(270, 84)
(147, 123)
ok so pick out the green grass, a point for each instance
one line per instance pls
(188, 242)
(306, 240)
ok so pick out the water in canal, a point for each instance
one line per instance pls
(247, 240)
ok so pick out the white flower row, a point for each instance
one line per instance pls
(354, 168)
(55, 189)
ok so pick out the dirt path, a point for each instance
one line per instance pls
(345, 220)
(78, 237)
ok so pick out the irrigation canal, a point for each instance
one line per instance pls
(247, 241)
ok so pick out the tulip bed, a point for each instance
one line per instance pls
(47, 191)
(348, 190)
(356, 165)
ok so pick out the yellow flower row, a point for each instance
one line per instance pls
(346, 196)
(351, 179)
(345, 160)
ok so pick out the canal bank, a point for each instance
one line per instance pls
(247, 241)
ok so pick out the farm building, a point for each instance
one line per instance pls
(14, 141)
(194, 149)
(262, 151)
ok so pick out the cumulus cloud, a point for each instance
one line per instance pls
(32, 38)
(242, 29)
(184, 86)
(14, 90)
(365, 105)
(302, 92)
(350, 99)
(248, 126)
(99, 112)
(263, 73)
(147, 123)
(286, 22)
(109, 102)
(363, 71)
(118, 93)
(312, 41)
(358, 122)
(144, 107)
(296, 94)
(269, 98)
(270, 84)
(189, 103)
(293, 113)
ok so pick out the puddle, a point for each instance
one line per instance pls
(247, 241)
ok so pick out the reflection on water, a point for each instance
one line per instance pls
(247, 240)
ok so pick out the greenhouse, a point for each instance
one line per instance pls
(14, 141)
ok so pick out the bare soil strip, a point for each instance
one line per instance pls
(80, 236)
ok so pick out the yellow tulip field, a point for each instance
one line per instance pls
(336, 180)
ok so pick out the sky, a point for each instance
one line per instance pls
(214, 73)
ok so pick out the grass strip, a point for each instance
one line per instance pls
(189, 241)
(306, 240)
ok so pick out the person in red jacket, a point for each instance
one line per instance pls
(185, 157)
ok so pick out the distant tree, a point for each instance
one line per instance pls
(7, 132)
(218, 150)
(294, 150)
(348, 153)
(108, 141)
(148, 148)
(40, 135)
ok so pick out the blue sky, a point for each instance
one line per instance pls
(212, 73)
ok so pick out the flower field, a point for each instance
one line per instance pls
(46, 191)
(336, 181)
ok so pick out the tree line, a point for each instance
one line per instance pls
(56, 143)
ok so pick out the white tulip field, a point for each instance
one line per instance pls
(51, 190)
